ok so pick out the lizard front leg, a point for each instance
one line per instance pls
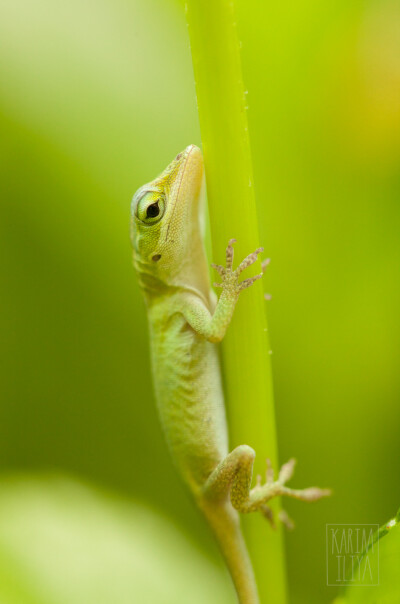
(233, 476)
(213, 326)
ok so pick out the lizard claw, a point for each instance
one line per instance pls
(265, 263)
(287, 470)
(282, 515)
(269, 515)
(248, 282)
(229, 253)
(286, 520)
(220, 269)
(269, 475)
(249, 260)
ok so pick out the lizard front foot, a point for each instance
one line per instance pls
(230, 278)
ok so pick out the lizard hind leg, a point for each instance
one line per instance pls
(233, 476)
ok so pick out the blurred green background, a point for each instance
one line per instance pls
(95, 100)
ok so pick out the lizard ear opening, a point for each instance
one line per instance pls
(156, 257)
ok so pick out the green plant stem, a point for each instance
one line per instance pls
(246, 353)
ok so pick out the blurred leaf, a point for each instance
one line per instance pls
(83, 125)
(384, 563)
(62, 542)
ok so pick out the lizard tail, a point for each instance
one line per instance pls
(224, 521)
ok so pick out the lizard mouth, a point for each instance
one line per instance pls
(188, 180)
(190, 159)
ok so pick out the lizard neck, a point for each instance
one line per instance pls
(190, 275)
(193, 273)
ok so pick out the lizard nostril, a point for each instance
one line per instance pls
(178, 156)
(156, 257)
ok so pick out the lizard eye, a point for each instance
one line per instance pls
(153, 210)
(150, 208)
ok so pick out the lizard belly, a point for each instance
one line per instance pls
(189, 397)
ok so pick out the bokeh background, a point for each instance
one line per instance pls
(95, 99)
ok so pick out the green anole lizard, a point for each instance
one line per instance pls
(186, 321)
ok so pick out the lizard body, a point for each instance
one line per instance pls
(185, 323)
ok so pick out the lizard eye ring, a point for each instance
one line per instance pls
(150, 207)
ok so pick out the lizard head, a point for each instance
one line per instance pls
(165, 228)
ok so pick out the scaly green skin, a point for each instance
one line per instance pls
(185, 323)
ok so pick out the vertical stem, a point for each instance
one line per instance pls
(246, 355)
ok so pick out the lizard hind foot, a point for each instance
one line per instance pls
(283, 517)
(261, 494)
